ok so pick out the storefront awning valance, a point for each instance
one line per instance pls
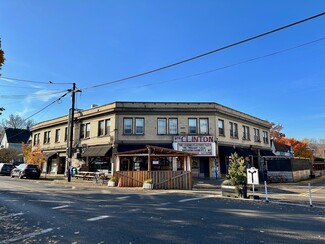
(267, 153)
(244, 152)
(99, 151)
(50, 154)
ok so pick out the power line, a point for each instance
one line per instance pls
(31, 95)
(207, 53)
(232, 65)
(33, 81)
(29, 87)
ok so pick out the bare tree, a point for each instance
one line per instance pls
(17, 122)
(9, 155)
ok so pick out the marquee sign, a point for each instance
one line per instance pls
(198, 145)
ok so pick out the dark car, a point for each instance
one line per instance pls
(5, 169)
(26, 171)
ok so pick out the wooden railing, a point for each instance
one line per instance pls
(181, 180)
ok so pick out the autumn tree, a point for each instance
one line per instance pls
(275, 131)
(2, 56)
(33, 155)
(300, 148)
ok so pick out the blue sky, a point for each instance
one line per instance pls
(93, 42)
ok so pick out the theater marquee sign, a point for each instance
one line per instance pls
(198, 145)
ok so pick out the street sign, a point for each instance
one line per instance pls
(252, 176)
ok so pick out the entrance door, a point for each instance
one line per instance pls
(204, 167)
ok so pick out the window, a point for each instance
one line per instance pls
(57, 135)
(139, 126)
(221, 126)
(162, 126)
(246, 135)
(192, 126)
(107, 127)
(36, 139)
(265, 137)
(101, 128)
(87, 130)
(127, 126)
(172, 126)
(257, 135)
(47, 137)
(233, 130)
(84, 130)
(204, 126)
(65, 133)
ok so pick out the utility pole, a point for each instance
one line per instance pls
(71, 113)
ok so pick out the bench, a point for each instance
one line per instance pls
(96, 176)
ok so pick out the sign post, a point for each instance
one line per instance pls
(252, 178)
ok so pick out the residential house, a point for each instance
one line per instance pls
(281, 149)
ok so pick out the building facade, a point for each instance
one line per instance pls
(209, 131)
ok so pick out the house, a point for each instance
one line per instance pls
(210, 132)
(13, 138)
(281, 149)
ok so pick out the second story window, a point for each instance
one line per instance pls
(257, 135)
(139, 126)
(172, 126)
(127, 126)
(107, 127)
(47, 137)
(101, 128)
(36, 139)
(265, 137)
(192, 126)
(65, 133)
(221, 127)
(57, 135)
(233, 130)
(162, 126)
(204, 126)
(84, 131)
(246, 135)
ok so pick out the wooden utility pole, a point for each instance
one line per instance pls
(70, 148)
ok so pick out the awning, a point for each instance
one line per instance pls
(99, 151)
(50, 154)
(227, 151)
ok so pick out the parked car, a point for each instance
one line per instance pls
(26, 171)
(5, 169)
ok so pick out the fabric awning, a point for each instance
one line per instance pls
(267, 153)
(50, 154)
(227, 151)
(99, 151)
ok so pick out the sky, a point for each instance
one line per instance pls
(277, 77)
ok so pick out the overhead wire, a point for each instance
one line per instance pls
(232, 65)
(206, 53)
(19, 96)
(33, 81)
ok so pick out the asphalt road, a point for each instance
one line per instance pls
(44, 212)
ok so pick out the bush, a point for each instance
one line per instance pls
(113, 178)
(149, 181)
(237, 170)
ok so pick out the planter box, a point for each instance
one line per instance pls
(147, 186)
(111, 183)
(230, 191)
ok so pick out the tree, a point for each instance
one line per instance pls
(9, 155)
(237, 170)
(2, 56)
(275, 131)
(33, 156)
(301, 148)
(17, 122)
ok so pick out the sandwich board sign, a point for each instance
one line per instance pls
(252, 176)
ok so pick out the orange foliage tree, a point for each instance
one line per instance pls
(301, 148)
(33, 156)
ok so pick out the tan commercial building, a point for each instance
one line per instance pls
(209, 131)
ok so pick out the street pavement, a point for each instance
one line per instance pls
(57, 211)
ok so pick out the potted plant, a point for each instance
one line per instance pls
(112, 181)
(235, 184)
(148, 184)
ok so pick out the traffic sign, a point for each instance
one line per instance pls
(252, 176)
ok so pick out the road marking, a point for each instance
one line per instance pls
(27, 236)
(11, 215)
(98, 218)
(63, 206)
(313, 190)
(196, 198)
(121, 198)
(165, 203)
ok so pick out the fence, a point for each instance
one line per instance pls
(181, 180)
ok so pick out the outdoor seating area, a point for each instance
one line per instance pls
(96, 176)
